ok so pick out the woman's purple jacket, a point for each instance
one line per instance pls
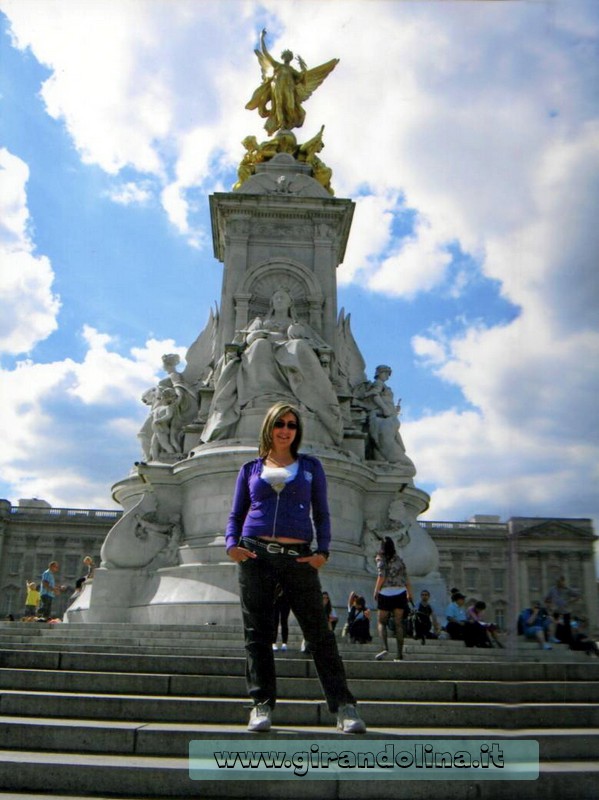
(257, 510)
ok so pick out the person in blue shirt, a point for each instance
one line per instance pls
(456, 616)
(269, 534)
(48, 590)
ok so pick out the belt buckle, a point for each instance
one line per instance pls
(274, 547)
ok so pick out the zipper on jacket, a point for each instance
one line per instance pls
(274, 523)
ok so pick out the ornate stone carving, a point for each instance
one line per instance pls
(173, 404)
(385, 442)
(413, 543)
(278, 361)
(141, 539)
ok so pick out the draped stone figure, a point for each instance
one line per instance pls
(277, 360)
(383, 422)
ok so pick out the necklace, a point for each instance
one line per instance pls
(270, 457)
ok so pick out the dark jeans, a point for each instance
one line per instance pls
(45, 609)
(455, 630)
(258, 578)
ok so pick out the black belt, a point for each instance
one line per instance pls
(277, 548)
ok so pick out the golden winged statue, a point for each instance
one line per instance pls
(283, 89)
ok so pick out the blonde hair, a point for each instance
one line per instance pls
(272, 415)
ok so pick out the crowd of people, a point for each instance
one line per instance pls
(279, 507)
(549, 624)
(39, 596)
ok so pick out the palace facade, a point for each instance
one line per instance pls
(506, 564)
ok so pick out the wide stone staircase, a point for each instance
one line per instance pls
(108, 711)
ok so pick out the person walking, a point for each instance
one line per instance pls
(269, 534)
(392, 593)
(48, 590)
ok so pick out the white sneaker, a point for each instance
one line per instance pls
(348, 720)
(274, 647)
(380, 656)
(260, 718)
(283, 646)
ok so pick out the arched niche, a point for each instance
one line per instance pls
(260, 283)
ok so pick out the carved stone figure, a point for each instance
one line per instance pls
(414, 544)
(145, 434)
(307, 154)
(139, 537)
(383, 424)
(278, 360)
(173, 404)
(165, 427)
(279, 97)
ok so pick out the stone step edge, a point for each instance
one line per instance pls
(141, 699)
(223, 730)
(42, 673)
(56, 658)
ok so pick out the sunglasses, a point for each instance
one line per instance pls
(280, 423)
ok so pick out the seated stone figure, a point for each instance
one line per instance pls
(277, 360)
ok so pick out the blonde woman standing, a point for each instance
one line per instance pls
(269, 534)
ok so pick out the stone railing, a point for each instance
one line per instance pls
(455, 526)
(89, 513)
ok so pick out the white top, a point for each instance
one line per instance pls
(278, 475)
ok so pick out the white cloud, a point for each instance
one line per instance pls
(131, 193)
(418, 265)
(480, 118)
(28, 306)
(68, 428)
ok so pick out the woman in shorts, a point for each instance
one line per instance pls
(393, 594)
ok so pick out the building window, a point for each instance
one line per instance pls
(575, 576)
(14, 563)
(446, 575)
(42, 560)
(500, 617)
(534, 580)
(71, 566)
(499, 580)
(471, 578)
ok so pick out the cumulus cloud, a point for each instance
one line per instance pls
(131, 193)
(469, 126)
(28, 306)
(68, 428)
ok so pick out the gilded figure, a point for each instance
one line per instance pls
(284, 88)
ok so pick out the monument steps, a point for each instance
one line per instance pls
(83, 724)
(135, 777)
(397, 687)
(227, 640)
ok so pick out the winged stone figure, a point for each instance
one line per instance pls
(349, 358)
(279, 97)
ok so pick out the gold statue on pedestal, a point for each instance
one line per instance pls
(279, 100)
(279, 97)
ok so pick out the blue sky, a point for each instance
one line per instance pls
(467, 134)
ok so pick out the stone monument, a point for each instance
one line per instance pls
(277, 334)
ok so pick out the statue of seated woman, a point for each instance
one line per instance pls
(276, 359)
